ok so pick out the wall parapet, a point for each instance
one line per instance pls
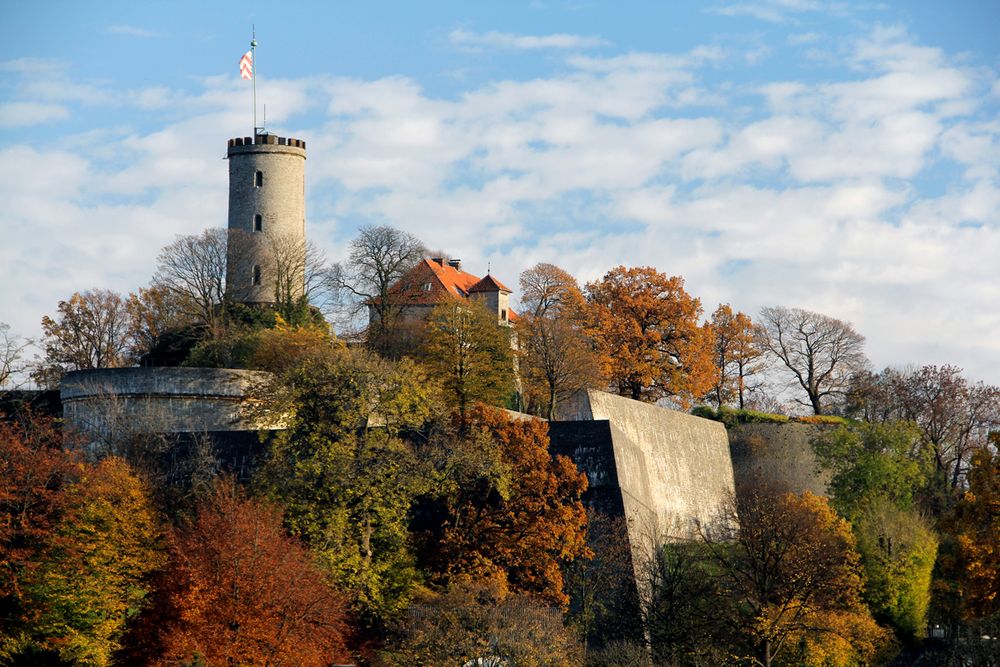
(164, 400)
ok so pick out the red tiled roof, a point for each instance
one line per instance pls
(488, 284)
(430, 282)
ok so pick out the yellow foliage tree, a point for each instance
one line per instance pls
(92, 576)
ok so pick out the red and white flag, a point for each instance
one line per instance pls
(246, 65)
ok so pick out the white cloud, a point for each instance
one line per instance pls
(776, 11)
(813, 200)
(505, 40)
(23, 114)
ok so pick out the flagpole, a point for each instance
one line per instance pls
(253, 76)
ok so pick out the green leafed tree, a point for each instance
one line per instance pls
(879, 471)
(344, 473)
(898, 550)
(470, 353)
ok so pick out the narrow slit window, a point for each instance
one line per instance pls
(258, 179)
(255, 279)
(258, 223)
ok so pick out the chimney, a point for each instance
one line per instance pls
(455, 264)
(439, 260)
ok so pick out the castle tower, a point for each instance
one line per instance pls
(267, 219)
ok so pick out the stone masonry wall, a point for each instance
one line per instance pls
(164, 400)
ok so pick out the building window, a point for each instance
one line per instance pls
(503, 314)
(427, 287)
(258, 179)
(258, 223)
(255, 279)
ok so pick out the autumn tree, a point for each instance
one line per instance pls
(90, 331)
(790, 576)
(157, 323)
(193, 270)
(12, 349)
(238, 590)
(739, 355)
(34, 471)
(821, 353)
(470, 353)
(647, 329)
(91, 578)
(380, 256)
(953, 414)
(507, 509)
(345, 474)
(975, 526)
(556, 357)
(481, 623)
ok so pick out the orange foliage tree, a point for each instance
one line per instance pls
(34, 470)
(238, 590)
(647, 327)
(739, 355)
(976, 524)
(512, 511)
(790, 575)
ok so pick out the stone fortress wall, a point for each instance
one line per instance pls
(267, 213)
(662, 470)
(778, 453)
(159, 400)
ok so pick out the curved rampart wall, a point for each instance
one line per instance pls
(161, 400)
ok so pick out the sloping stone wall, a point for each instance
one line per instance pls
(660, 469)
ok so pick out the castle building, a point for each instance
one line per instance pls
(267, 218)
(435, 280)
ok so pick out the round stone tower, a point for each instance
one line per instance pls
(267, 219)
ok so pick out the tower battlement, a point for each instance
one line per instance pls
(267, 139)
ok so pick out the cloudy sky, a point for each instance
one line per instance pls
(835, 156)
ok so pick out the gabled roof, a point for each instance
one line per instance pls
(488, 284)
(431, 282)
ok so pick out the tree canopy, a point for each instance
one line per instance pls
(647, 328)
(820, 352)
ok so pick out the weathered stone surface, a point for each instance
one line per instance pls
(778, 453)
(278, 197)
(661, 469)
(163, 400)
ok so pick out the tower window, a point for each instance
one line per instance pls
(255, 279)
(258, 179)
(258, 223)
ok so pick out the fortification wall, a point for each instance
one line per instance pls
(672, 468)
(660, 469)
(778, 453)
(162, 400)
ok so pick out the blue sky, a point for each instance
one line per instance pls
(836, 156)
